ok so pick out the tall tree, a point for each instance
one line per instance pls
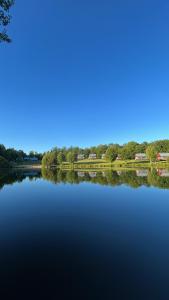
(111, 153)
(129, 150)
(71, 157)
(5, 19)
(60, 157)
(151, 152)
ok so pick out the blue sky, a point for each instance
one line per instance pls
(84, 73)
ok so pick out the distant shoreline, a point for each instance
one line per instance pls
(103, 165)
(94, 165)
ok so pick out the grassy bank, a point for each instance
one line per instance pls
(27, 165)
(100, 164)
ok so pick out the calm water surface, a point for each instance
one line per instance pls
(77, 235)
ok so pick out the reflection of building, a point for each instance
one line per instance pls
(92, 156)
(103, 156)
(162, 156)
(140, 156)
(80, 157)
(142, 173)
(30, 158)
(103, 174)
(92, 174)
(80, 174)
(163, 172)
(119, 173)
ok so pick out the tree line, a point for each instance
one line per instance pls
(126, 152)
(9, 155)
(5, 19)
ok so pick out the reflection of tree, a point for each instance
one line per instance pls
(111, 178)
(157, 181)
(9, 178)
(132, 180)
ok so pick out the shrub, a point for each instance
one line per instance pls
(4, 163)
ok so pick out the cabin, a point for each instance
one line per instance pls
(140, 156)
(103, 156)
(30, 158)
(163, 156)
(92, 156)
(80, 157)
(118, 157)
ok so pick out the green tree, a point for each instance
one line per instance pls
(4, 163)
(151, 153)
(5, 19)
(2, 150)
(101, 149)
(71, 157)
(60, 157)
(111, 153)
(129, 150)
(46, 161)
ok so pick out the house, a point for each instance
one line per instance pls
(118, 157)
(80, 157)
(92, 156)
(103, 156)
(30, 158)
(162, 156)
(140, 156)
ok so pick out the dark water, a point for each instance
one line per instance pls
(69, 235)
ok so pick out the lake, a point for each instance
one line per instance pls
(84, 235)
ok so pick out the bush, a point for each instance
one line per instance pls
(4, 163)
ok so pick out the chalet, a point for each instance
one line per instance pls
(118, 157)
(140, 156)
(80, 157)
(92, 156)
(162, 156)
(103, 156)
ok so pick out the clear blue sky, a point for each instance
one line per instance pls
(85, 72)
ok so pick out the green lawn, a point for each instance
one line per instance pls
(102, 164)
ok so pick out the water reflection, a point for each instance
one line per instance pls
(10, 177)
(135, 178)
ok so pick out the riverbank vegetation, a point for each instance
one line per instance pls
(107, 156)
(5, 18)
(9, 157)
